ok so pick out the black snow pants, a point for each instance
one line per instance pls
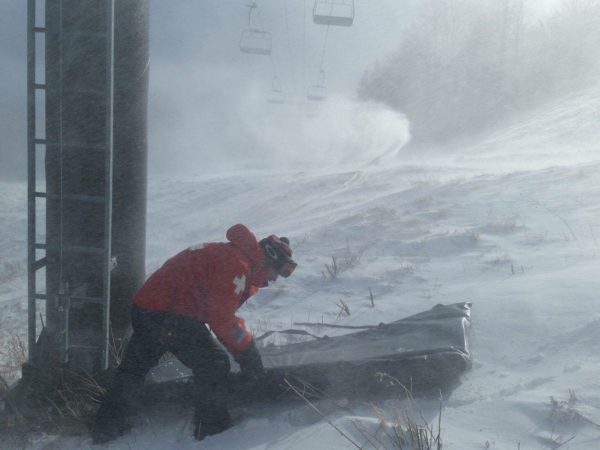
(154, 333)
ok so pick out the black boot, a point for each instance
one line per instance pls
(110, 424)
(210, 419)
(112, 415)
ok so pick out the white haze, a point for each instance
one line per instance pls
(194, 53)
(208, 101)
(255, 134)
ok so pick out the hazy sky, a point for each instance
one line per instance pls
(208, 100)
(208, 108)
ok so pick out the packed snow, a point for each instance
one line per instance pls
(510, 222)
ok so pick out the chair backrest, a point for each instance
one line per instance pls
(333, 12)
(255, 41)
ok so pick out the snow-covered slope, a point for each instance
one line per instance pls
(521, 245)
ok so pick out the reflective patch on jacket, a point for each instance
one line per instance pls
(239, 334)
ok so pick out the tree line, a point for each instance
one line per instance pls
(465, 64)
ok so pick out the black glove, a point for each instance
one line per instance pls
(168, 330)
(251, 363)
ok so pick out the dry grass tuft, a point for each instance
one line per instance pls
(407, 429)
(12, 358)
(346, 260)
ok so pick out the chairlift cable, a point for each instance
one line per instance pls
(289, 45)
(273, 65)
(271, 57)
(250, 6)
(324, 49)
(304, 46)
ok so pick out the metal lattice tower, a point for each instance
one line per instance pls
(87, 82)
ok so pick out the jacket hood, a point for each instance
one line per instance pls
(241, 237)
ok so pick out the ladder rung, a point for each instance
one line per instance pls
(86, 34)
(83, 249)
(39, 263)
(74, 197)
(39, 29)
(97, 92)
(70, 145)
(39, 85)
(88, 300)
(83, 146)
(84, 198)
(72, 249)
(79, 299)
(84, 91)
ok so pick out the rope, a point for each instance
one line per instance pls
(331, 325)
(290, 331)
(316, 324)
(324, 49)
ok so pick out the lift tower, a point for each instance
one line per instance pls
(87, 152)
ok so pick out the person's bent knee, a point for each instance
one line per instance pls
(223, 365)
(215, 368)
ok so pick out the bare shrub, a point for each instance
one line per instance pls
(304, 395)
(13, 357)
(346, 260)
(332, 269)
(344, 310)
(407, 429)
(73, 402)
(404, 432)
(565, 412)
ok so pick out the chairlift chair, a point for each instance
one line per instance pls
(318, 91)
(333, 12)
(276, 95)
(255, 41)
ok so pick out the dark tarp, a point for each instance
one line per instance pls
(426, 352)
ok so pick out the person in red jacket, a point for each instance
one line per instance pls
(201, 286)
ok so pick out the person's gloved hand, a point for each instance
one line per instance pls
(168, 331)
(274, 385)
(251, 363)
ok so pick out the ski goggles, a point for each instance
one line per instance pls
(287, 268)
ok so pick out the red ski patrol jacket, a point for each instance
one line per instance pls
(209, 282)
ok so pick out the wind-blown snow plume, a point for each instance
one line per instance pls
(245, 131)
(340, 132)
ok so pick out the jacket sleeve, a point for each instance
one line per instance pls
(234, 335)
(224, 298)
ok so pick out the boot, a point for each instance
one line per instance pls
(112, 415)
(111, 423)
(210, 420)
